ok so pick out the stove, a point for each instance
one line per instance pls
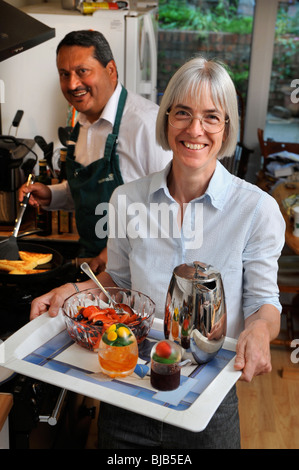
(16, 298)
(36, 402)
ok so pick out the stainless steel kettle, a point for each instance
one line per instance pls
(195, 310)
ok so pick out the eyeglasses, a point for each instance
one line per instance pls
(181, 119)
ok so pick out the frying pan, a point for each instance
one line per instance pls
(52, 267)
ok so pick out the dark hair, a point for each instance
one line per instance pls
(88, 38)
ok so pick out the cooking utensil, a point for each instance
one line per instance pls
(64, 134)
(41, 142)
(119, 308)
(48, 152)
(53, 268)
(48, 157)
(25, 234)
(195, 311)
(9, 247)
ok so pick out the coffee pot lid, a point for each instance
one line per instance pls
(196, 271)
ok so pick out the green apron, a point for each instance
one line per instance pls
(93, 184)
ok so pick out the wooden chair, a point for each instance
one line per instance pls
(238, 163)
(288, 282)
(242, 155)
(269, 147)
(288, 272)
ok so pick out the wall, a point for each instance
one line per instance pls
(176, 47)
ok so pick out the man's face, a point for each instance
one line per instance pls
(85, 83)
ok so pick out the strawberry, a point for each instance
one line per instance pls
(163, 349)
(87, 311)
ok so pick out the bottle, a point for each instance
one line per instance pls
(62, 174)
(44, 217)
(65, 219)
(90, 7)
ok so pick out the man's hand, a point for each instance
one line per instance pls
(40, 194)
(98, 264)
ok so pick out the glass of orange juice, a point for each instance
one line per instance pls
(118, 351)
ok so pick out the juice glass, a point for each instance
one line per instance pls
(118, 351)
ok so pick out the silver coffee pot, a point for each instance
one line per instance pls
(195, 310)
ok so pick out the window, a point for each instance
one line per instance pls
(282, 123)
(215, 29)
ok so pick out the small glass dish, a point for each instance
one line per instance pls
(166, 365)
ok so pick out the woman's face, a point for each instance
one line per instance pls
(193, 147)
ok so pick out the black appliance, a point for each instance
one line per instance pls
(19, 31)
(43, 412)
(12, 154)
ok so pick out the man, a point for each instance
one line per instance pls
(113, 141)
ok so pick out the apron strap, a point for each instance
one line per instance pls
(112, 139)
(72, 142)
(120, 110)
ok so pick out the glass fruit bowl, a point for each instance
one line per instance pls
(88, 315)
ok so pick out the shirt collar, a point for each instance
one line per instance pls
(216, 191)
(108, 113)
(219, 185)
(159, 181)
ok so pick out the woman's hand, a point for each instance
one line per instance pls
(53, 300)
(253, 348)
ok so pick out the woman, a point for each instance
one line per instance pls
(214, 217)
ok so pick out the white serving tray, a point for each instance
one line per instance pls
(77, 370)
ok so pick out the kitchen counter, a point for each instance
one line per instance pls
(29, 225)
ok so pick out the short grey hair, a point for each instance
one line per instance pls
(188, 82)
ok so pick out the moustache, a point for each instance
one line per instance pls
(78, 90)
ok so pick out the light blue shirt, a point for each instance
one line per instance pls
(238, 228)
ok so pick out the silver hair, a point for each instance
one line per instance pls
(189, 82)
